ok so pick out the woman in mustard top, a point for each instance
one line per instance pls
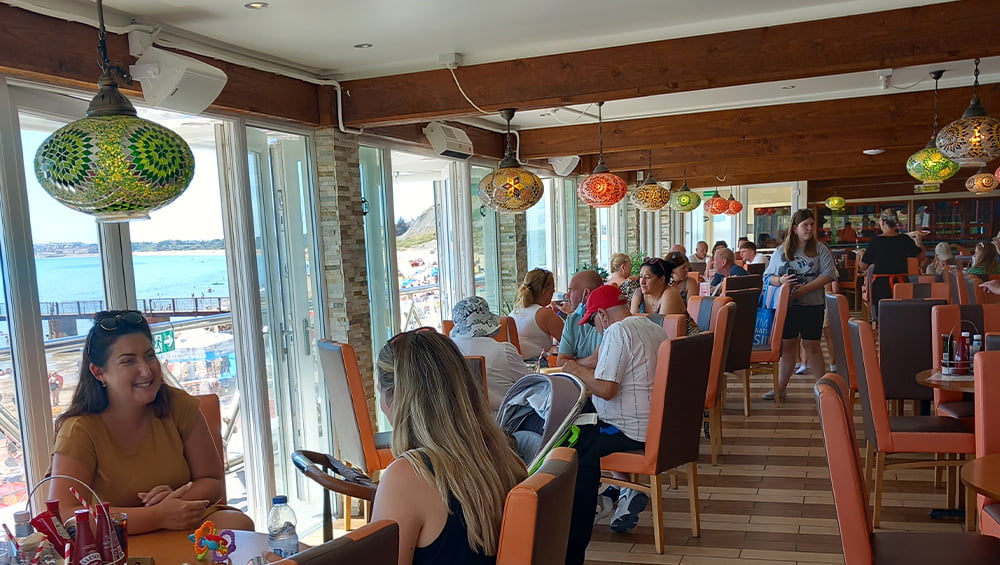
(144, 447)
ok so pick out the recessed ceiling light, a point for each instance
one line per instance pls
(363, 45)
(255, 5)
(875, 151)
(788, 87)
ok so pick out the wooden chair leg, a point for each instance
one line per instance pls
(347, 513)
(673, 480)
(971, 510)
(692, 479)
(715, 431)
(938, 471)
(879, 487)
(869, 465)
(774, 374)
(746, 392)
(951, 489)
(723, 390)
(656, 495)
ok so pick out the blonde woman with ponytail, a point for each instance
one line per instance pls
(454, 467)
(537, 325)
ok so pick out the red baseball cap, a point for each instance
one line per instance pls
(604, 296)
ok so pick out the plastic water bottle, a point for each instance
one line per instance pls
(281, 536)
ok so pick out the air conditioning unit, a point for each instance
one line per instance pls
(448, 141)
(176, 82)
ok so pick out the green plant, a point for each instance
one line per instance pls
(637, 259)
(586, 266)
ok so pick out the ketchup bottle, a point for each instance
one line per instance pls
(107, 538)
(85, 551)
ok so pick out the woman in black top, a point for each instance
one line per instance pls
(889, 253)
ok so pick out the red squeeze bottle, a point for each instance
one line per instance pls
(85, 551)
(107, 538)
(53, 507)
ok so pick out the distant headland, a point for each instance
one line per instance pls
(76, 248)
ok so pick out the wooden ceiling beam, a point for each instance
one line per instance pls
(484, 143)
(828, 118)
(895, 38)
(911, 137)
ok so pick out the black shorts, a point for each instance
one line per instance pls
(611, 440)
(805, 321)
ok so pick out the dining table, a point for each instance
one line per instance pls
(958, 383)
(172, 547)
(982, 476)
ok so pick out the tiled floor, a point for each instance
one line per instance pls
(769, 499)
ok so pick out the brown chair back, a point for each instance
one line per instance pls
(868, 422)
(679, 387)
(991, 341)
(741, 282)
(906, 325)
(756, 268)
(212, 411)
(741, 341)
(536, 515)
(674, 325)
(374, 544)
(477, 364)
(838, 312)
(698, 268)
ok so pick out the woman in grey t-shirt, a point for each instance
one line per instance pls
(808, 266)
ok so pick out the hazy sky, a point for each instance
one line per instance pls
(196, 214)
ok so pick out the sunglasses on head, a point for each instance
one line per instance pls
(112, 323)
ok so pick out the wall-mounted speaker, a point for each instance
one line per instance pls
(564, 165)
(176, 82)
(448, 141)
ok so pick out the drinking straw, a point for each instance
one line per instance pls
(68, 552)
(10, 536)
(78, 498)
(38, 554)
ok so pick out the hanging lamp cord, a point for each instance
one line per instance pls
(120, 72)
(975, 81)
(935, 126)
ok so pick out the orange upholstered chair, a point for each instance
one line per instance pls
(908, 291)
(508, 331)
(862, 545)
(950, 318)
(987, 371)
(375, 544)
(352, 422)
(536, 515)
(674, 429)
(899, 434)
(212, 411)
(770, 353)
(838, 312)
(721, 313)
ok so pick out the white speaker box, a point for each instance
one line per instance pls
(176, 82)
(448, 141)
(564, 165)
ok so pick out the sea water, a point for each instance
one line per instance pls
(157, 275)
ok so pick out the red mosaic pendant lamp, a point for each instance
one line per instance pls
(716, 205)
(735, 206)
(602, 188)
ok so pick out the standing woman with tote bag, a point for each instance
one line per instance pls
(808, 266)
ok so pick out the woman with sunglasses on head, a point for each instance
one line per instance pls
(655, 295)
(142, 446)
(808, 266)
(454, 466)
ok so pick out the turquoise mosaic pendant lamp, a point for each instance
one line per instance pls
(113, 164)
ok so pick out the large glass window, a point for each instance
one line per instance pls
(415, 178)
(485, 267)
(769, 214)
(538, 220)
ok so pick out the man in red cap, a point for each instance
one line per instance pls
(622, 384)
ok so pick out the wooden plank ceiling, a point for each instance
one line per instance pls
(807, 141)
(820, 142)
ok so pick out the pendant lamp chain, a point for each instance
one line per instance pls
(937, 77)
(601, 167)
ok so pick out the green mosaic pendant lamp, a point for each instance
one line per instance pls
(113, 164)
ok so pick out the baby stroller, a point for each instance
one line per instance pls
(542, 412)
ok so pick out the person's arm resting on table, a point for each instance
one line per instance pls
(601, 388)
